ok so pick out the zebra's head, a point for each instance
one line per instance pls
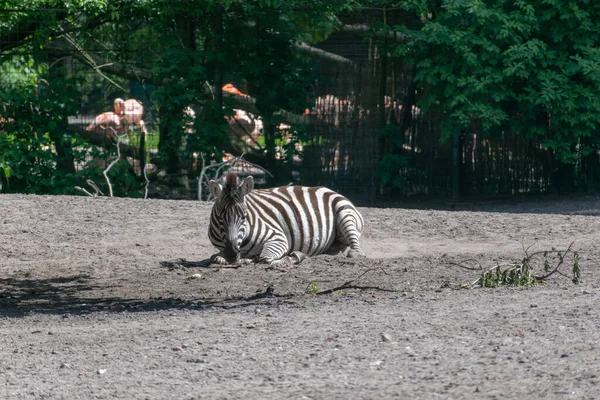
(230, 212)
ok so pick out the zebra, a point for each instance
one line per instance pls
(281, 225)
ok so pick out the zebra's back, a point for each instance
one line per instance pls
(309, 217)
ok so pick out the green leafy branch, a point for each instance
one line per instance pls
(522, 273)
(5, 171)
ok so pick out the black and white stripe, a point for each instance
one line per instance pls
(269, 224)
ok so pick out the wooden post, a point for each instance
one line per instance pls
(456, 166)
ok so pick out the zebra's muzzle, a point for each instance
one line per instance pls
(230, 253)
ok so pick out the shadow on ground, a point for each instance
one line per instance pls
(67, 295)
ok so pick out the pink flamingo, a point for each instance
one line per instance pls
(127, 113)
(229, 88)
(107, 123)
(131, 112)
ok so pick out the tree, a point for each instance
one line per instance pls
(516, 67)
(181, 51)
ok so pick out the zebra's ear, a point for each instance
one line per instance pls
(247, 185)
(215, 188)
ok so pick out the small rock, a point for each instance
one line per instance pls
(196, 361)
(375, 363)
(386, 337)
(195, 276)
(533, 305)
(65, 365)
(101, 371)
(257, 311)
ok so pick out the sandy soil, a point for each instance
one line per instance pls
(104, 299)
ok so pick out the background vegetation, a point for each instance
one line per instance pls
(504, 91)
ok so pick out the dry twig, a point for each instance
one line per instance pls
(462, 265)
(203, 179)
(116, 160)
(350, 284)
(146, 169)
(93, 185)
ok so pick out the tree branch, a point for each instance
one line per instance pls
(350, 284)
(103, 140)
(364, 29)
(324, 55)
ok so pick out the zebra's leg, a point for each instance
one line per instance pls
(337, 248)
(294, 258)
(274, 253)
(349, 234)
(219, 259)
(297, 257)
(352, 253)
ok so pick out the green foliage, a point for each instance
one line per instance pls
(511, 66)
(576, 269)
(5, 172)
(393, 160)
(19, 73)
(523, 274)
(517, 275)
(183, 47)
(529, 68)
(35, 109)
(313, 288)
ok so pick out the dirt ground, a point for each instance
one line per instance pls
(113, 298)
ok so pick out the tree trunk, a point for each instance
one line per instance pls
(456, 166)
(590, 165)
(64, 151)
(271, 160)
(384, 141)
(171, 119)
(217, 43)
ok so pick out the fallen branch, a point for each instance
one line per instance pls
(561, 255)
(348, 287)
(183, 263)
(521, 273)
(461, 265)
(350, 284)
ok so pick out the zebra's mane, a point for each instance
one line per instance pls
(231, 184)
(231, 179)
